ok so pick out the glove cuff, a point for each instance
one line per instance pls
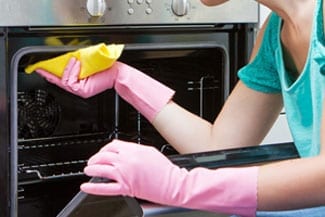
(144, 93)
(226, 190)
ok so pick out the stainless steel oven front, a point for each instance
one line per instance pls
(47, 134)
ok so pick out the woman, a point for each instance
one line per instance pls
(286, 68)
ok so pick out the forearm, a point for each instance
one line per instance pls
(185, 131)
(292, 184)
(243, 121)
(189, 133)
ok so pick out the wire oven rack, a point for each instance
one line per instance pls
(56, 158)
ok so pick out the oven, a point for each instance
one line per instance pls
(47, 134)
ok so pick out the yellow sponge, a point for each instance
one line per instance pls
(93, 59)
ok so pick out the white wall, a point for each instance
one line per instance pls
(264, 12)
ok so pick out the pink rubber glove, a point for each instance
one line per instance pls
(143, 172)
(145, 94)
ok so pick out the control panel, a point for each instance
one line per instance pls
(124, 12)
(98, 7)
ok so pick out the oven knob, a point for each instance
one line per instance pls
(96, 8)
(180, 7)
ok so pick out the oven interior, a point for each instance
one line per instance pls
(57, 131)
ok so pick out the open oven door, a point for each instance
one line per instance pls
(85, 205)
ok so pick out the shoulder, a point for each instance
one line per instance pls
(269, 31)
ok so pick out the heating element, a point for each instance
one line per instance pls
(47, 134)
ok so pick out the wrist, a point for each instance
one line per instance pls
(144, 93)
(227, 190)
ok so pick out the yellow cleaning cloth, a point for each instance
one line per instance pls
(93, 59)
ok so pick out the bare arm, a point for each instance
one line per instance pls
(244, 120)
(292, 184)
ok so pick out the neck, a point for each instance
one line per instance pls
(288, 10)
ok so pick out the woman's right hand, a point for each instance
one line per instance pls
(87, 87)
(143, 92)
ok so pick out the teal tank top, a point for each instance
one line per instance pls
(303, 97)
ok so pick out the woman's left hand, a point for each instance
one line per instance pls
(135, 170)
(143, 172)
